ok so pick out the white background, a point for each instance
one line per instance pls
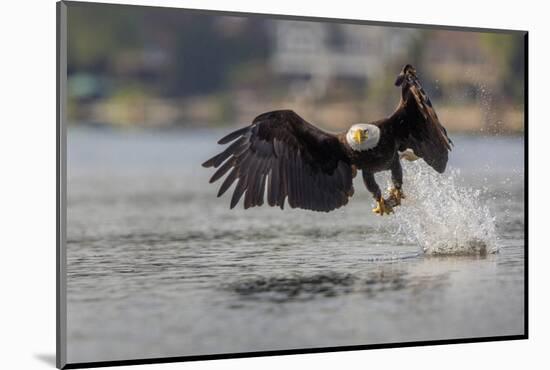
(27, 183)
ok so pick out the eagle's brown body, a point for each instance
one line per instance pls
(314, 169)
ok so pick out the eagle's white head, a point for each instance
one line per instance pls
(363, 136)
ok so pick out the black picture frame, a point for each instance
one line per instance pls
(61, 195)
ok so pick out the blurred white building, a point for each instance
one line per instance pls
(322, 51)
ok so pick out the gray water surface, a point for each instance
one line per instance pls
(158, 266)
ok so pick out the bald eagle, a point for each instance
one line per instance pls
(314, 169)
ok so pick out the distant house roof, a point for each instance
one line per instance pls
(316, 49)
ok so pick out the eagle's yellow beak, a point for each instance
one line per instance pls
(360, 135)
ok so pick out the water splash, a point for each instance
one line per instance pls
(442, 217)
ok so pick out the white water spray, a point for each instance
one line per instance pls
(442, 217)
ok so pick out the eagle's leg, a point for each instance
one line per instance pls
(396, 193)
(381, 206)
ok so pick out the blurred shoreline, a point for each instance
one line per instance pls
(98, 126)
(158, 68)
(474, 118)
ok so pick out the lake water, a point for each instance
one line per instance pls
(158, 266)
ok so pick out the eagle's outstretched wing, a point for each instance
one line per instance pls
(417, 125)
(292, 157)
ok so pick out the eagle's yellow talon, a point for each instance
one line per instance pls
(397, 195)
(382, 208)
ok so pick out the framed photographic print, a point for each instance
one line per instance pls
(234, 184)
